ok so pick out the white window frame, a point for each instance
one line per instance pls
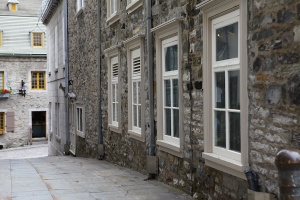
(50, 117)
(113, 52)
(79, 6)
(229, 162)
(171, 75)
(135, 48)
(80, 115)
(114, 63)
(164, 32)
(112, 17)
(56, 48)
(132, 5)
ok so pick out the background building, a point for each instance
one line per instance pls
(53, 16)
(23, 56)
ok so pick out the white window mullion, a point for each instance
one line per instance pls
(226, 108)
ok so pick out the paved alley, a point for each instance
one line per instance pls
(67, 177)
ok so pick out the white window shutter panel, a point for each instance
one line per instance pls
(10, 122)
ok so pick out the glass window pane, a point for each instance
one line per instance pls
(113, 112)
(134, 115)
(116, 93)
(116, 110)
(234, 132)
(168, 93)
(171, 58)
(139, 92)
(168, 122)
(227, 42)
(139, 116)
(220, 89)
(220, 129)
(175, 93)
(176, 122)
(234, 89)
(113, 93)
(134, 93)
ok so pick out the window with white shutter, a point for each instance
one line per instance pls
(114, 90)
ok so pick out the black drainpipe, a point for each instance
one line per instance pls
(100, 134)
(150, 78)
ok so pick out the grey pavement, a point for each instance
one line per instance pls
(72, 178)
(32, 151)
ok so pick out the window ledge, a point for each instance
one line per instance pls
(136, 135)
(81, 134)
(169, 148)
(79, 12)
(112, 19)
(57, 138)
(226, 165)
(114, 128)
(133, 6)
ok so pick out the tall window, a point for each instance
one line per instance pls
(226, 85)
(2, 80)
(114, 90)
(79, 119)
(136, 89)
(80, 5)
(38, 81)
(225, 79)
(37, 39)
(113, 7)
(57, 112)
(170, 89)
(56, 48)
(2, 122)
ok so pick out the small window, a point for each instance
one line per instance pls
(37, 40)
(38, 81)
(1, 38)
(2, 80)
(13, 7)
(2, 122)
(112, 11)
(80, 5)
(57, 112)
(80, 120)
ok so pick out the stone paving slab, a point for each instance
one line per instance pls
(67, 177)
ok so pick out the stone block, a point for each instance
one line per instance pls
(273, 94)
(252, 195)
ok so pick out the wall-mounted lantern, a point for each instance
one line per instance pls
(22, 91)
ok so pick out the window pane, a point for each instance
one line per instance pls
(113, 112)
(113, 93)
(167, 93)
(234, 89)
(176, 123)
(134, 93)
(116, 93)
(234, 130)
(116, 110)
(171, 58)
(139, 92)
(139, 116)
(220, 129)
(168, 121)
(135, 115)
(227, 42)
(80, 119)
(220, 89)
(175, 93)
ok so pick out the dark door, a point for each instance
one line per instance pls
(38, 124)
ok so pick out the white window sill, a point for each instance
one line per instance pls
(224, 164)
(133, 6)
(57, 138)
(136, 135)
(79, 12)
(169, 148)
(81, 134)
(112, 19)
(114, 128)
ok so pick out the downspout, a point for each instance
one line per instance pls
(150, 77)
(100, 134)
(67, 145)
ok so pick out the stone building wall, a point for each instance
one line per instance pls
(273, 76)
(83, 72)
(273, 83)
(17, 69)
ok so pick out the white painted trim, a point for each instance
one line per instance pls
(133, 5)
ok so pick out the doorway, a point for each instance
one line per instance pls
(38, 124)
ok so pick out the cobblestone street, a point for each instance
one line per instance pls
(65, 177)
